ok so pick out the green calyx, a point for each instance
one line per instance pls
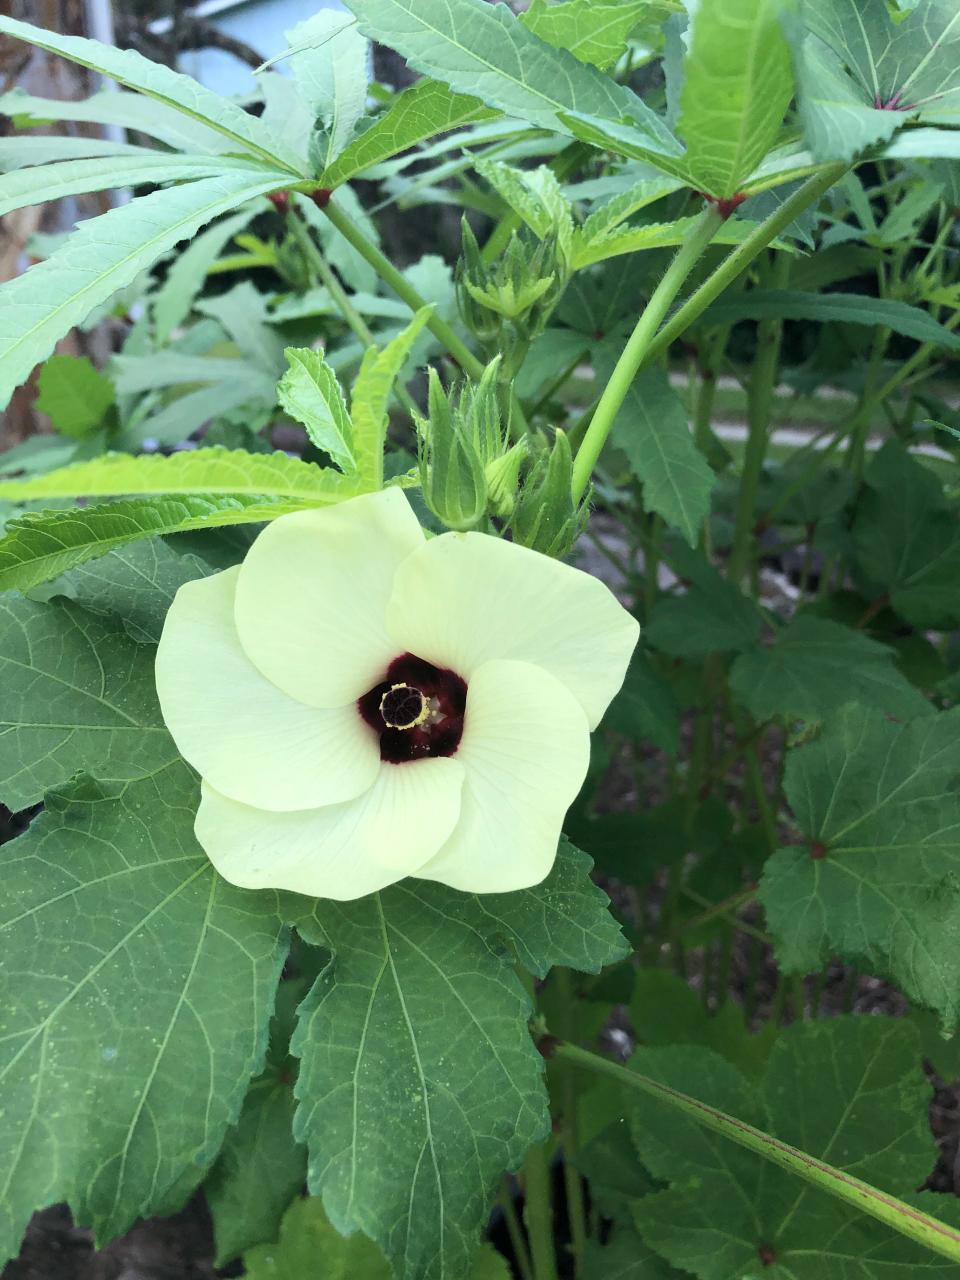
(467, 470)
(546, 518)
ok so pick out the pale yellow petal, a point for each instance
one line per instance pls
(246, 737)
(462, 599)
(342, 851)
(525, 750)
(312, 596)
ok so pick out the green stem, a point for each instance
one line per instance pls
(538, 1211)
(885, 1208)
(638, 346)
(762, 385)
(403, 289)
(573, 1184)
(341, 298)
(518, 1241)
(741, 257)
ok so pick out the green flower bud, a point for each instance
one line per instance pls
(503, 477)
(508, 302)
(545, 517)
(451, 469)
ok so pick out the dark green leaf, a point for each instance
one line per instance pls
(137, 990)
(73, 394)
(815, 666)
(646, 706)
(848, 1091)
(652, 430)
(844, 308)
(875, 881)
(78, 694)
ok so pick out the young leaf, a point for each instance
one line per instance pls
(737, 87)
(846, 1091)
(651, 428)
(875, 879)
(815, 666)
(180, 92)
(41, 546)
(309, 1248)
(330, 68)
(310, 392)
(426, 108)
(78, 694)
(137, 986)
(483, 50)
(411, 1119)
(215, 470)
(104, 255)
(371, 396)
(594, 31)
(73, 394)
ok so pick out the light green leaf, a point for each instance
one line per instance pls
(136, 374)
(180, 92)
(330, 69)
(483, 50)
(73, 394)
(624, 204)
(78, 694)
(875, 881)
(620, 240)
(410, 1118)
(425, 109)
(215, 470)
(814, 666)
(663, 152)
(309, 391)
(846, 1091)
(39, 185)
(261, 1169)
(135, 583)
(41, 546)
(906, 539)
(309, 1248)
(594, 31)
(837, 123)
(371, 396)
(843, 308)
(535, 196)
(20, 152)
(241, 313)
(652, 430)
(187, 275)
(128, 110)
(137, 986)
(737, 87)
(102, 256)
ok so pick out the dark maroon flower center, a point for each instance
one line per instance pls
(417, 710)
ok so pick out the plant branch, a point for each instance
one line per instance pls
(882, 1206)
(638, 346)
(403, 289)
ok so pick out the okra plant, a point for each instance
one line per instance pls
(474, 728)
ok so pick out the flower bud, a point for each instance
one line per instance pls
(503, 477)
(451, 469)
(545, 517)
(508, 302)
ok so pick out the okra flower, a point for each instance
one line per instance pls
(364, 704)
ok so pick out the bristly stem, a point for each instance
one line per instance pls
(402, 288)
(706, 227)
(886, 1208)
